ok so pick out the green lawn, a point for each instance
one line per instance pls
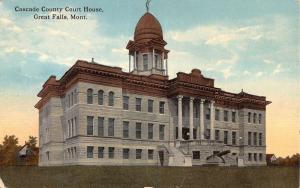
(85, 176)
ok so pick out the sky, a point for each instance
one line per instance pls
(251, 45)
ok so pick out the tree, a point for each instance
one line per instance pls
(294, 160)
(9, 150)
(33, 155)
(32, 141)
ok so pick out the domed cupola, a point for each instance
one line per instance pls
(148, 28)
(148, 48)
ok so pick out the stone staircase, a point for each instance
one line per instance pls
(177, 157)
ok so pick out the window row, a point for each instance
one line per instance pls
(126, 128)
(90, 126)
(138, 105)
(225, 115)
(225, 137)
(138, 130)
(256, 157)
(70, 153)
(71, 127)
(254, 118)
(100, 94)
(252, 138)
(145, 63)
(72, 99)
(110, 152)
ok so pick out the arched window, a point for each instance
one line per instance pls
(89, 98)
(100, 97)
(111, 98)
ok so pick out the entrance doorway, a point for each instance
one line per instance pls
(186, 133)
(161, 157)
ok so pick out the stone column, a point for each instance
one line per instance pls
(212, 120)
(134, 61)
(153, 58)
(163, 58)
(201, 119)
(167, 67)
(191, 117)
(129, 63)
(179, 117)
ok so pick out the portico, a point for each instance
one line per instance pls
(192, 118)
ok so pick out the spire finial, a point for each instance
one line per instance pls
(147, 5)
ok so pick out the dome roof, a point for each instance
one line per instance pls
(148, 28)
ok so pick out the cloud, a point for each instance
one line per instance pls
(278, 69)
(246, 72)
(232, 60)
(227, 72)
(259, 74)
(218, 34)
(267, 61)
(60, 42)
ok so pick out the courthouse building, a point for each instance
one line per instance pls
(99, 115)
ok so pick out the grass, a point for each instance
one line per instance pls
(108, 176)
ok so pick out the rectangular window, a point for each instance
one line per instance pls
(259, 118)
(126, 153)
(145, 62)
(217, 114)
(255, 138)
(75, 96)
(196, 154)
(125, 129)
(72, 127)
(138, 130)
(161, 107)
(254, 118)
(225, 137)
(233, 116)
(100, 152)
(225, 115)
(207, 134)
(161, 132)
(260, 157)
(125, 102)
(138, 104)
(101, 126)
(90, 125)
(48, 155)
(217, 134)
(150, 131)
(260, 139)
(233, 138)
(72, 97)
(150, 105)
(69, 103)
(249, 156)
(249, 138)
(150, 153)
(111, 126)
(111, 152)
(138, 154)
(249, 117)
(207, 114)
(255, 156)
(90, 151)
